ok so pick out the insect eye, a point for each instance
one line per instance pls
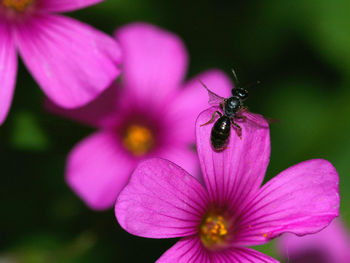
(241, 93)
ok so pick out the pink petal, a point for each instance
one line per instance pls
(183, 156)
(65, 5)
(302, 199)
(333, 242)
(72, 62)
(237, 172)
(97, 170)
(190, 250)
(155, 61)
(186, 250)
(101, 112)
(243, 255)
(193, 99)
(161, 200)
(8, 69)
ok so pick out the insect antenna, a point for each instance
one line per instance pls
(252, 84)
(235, 78)
(245, 86)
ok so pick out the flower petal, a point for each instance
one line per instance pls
(100, 112)
(155, 61)
(97, 170)
(161, 200)
(8, 70)
(302, 199)
(190, 250)
(333, 243)
(236, 172)
(72, 62)
(193, 99)
(243, 255)
(183, 156)
(65, 5)
(186, 250)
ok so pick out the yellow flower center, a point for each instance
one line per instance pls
(138, 140)
(17, 5)
(213, 231)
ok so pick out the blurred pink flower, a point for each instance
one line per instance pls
(72, 62)
(149, 113)
(231, 211)
(331, 245)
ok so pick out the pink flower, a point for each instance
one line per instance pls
(331, 245)
(218, 220)
(149, 113)
(72, 62)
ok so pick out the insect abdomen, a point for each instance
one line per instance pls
(220, 133)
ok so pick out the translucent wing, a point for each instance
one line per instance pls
(214, 99)
(254, 119)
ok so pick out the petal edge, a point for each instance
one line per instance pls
(73, 62)
(302, 199)
(161, 200)
(8, 70)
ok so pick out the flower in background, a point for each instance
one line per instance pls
(72, 62)
(231, 211)
(331, 245)
(149, 113)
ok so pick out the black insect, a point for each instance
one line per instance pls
(232, 108)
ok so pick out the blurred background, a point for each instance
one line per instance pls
(299, 50)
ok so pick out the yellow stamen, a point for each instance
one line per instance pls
(138, 140)
(213, 231)
(18, 5)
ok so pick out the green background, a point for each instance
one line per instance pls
(299, 50)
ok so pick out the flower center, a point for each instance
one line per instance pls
(17, 5)
(138, 139)
(213, 231)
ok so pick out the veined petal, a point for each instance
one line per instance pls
(186, 250)
(302, 199)
(65, 5)
(154, 62)
(332, 243)
(243, 255)
(236, 173)
(182, 155)
(190, 250)
(8, 69)
(98, 169)
(193, 99)
(72, 62)
(161, 200)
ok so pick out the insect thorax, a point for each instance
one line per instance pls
(232, 105)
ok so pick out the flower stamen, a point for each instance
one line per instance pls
(213, 231)
(17, 5)
(138, 140)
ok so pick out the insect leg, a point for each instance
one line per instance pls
(222, 105)
(212, 118)
(237, 128)
(239, 115)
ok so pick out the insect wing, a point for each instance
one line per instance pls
(214, 99)
(255, 119)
